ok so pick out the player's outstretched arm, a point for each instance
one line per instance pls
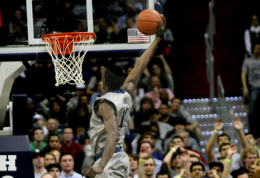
(110, 121)
(144, 60)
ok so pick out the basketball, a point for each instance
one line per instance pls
(147, 21)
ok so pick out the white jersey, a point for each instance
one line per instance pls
(122, 103)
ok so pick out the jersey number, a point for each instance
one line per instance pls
(123, 117)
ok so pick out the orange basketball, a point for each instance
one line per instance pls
(147, 21)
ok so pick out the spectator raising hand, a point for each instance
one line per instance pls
(183, 173)
(213, 174)
(218, 124)
(227, 165)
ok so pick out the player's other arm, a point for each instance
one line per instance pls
(144, 60)
(110, 121)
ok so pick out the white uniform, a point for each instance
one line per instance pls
(118, 165)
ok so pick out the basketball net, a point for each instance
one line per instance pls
(67, 52)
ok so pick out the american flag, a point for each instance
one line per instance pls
(135, 36)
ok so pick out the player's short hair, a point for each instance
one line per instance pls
(197, 164)
(223, 144)
(223, 135)
(251, 150)
(149, 157)
(114, 77)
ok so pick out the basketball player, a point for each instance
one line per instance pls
(109, 117)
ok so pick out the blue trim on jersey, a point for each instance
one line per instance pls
(122, 91)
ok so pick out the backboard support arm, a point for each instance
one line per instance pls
(8, 72)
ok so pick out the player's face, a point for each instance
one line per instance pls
(251, 140)
(38, 161)
(67, 134)
(176, 104)
(38, 135)
(197, 172)
(149, 167)
(224, 150)
(255, 169)
(133, 163)
(54, 142)
(250, 159)
(222, 140)
(48, 160)
(55, 172)
(67, 163)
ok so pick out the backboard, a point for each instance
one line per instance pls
(23, 22)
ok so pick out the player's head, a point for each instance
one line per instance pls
(113, 78)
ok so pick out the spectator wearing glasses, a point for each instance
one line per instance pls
(197, 170)
(52, 126)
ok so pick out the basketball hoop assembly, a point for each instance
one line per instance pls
(67, 51)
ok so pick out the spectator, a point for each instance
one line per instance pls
(53, 143)
(252, 35)
(67, 165)
(242, 174)
(218, 167)
(147, 167)
(48, 159)
(142, 115)
(80, 89)
(46, 175)
(154, 94)
(252, 140)
(69, 146)
(163, 70)
(154, 118)
(193, 159)
(57, 111)
(30, 112)
(224, 138)
(147, 150)
(56, 153)
(91, 88)
(162, 174)
(106, 32)
(40, 123)
(133, 160)
(165, 98)
(189, 142)
(178, 110)
(255, 171)
(179, 126)
(90, 69)
(122, 36)
(38, 163)
(52, 126)
(197, 170)
(129, 13)
(37, 142)
(99, 88)
(54, 169)
(251, 69)
(227, 164)
(164, 115)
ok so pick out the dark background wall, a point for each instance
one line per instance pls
(188, 21)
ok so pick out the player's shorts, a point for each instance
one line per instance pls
(117, 166)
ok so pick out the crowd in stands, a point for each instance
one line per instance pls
(162, 140)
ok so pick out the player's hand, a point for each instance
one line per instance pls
(213, 173)
(92, 171)
(218, 124)
(164, 22)
(237, 123)
(161, 27)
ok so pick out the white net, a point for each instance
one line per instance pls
(67, 55)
